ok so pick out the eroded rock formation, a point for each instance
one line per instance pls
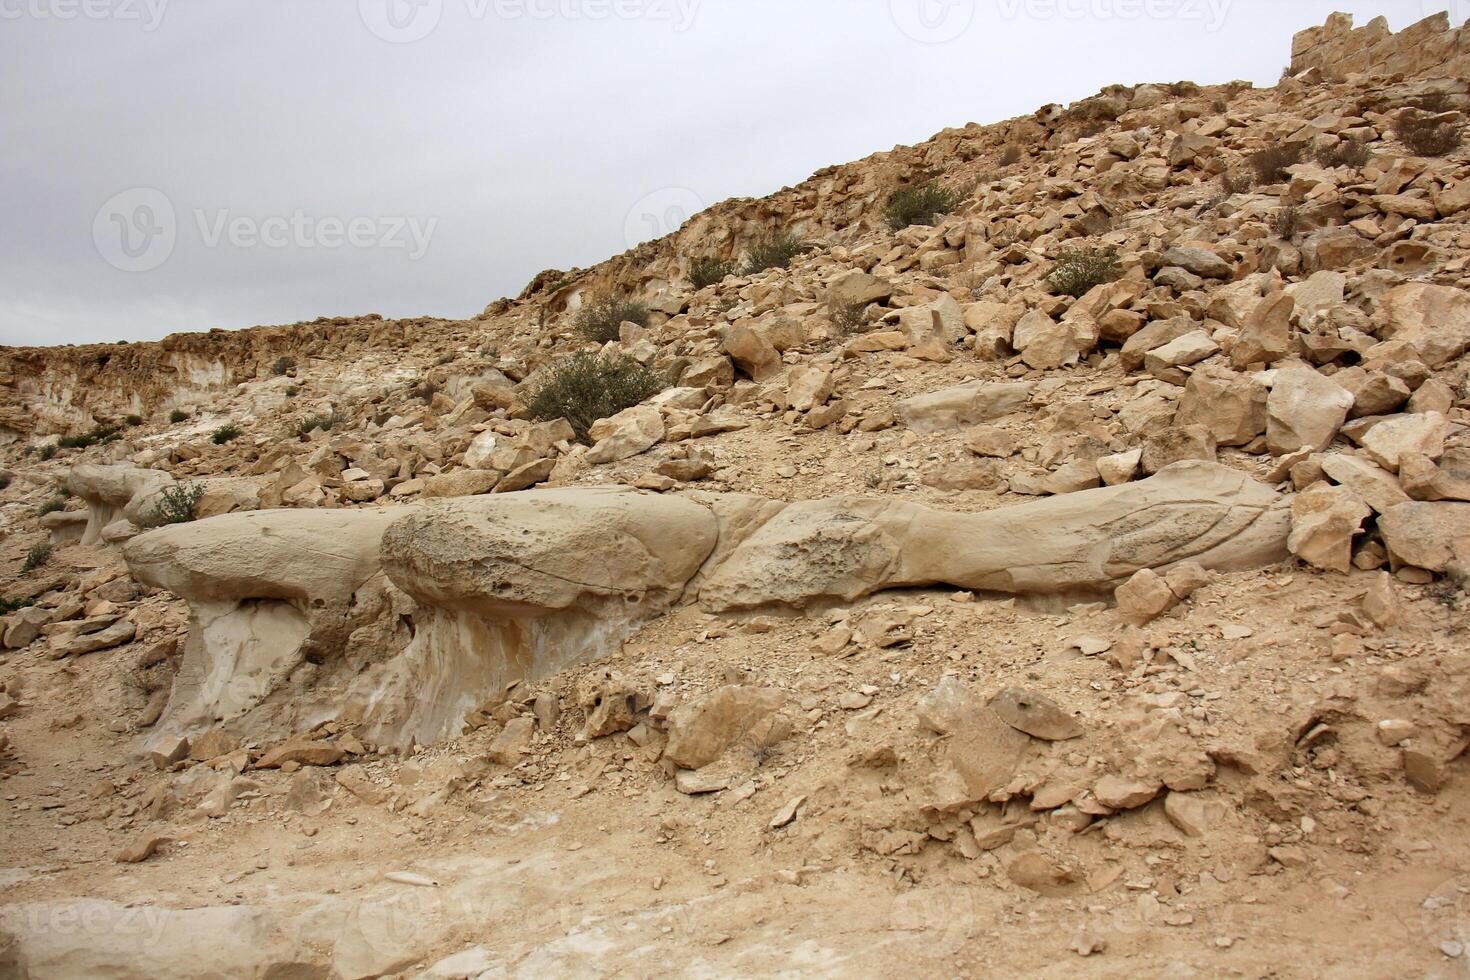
(403, 620)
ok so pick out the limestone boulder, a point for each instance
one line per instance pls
(1265, 337)
(942, 321)
(964, 405)
(1324, 521)
(1427, 535)
(752, 352)
(1319, 292)
(735, 716)
(66, 526)
(994, 325)
(1419, 435)
(857, 288)
(1423, 479)
(1231, 406)
(1434, 319)
(1372, 484)
(1176, 444)
(1374, 392)
(1200, 261)
(627, 434)
(809, 387)
(989, 441)
(269, 554)
(979, 748)
(461, 483)
(1304, 410)
(1158, 333)
(482, 450)
(1079, 474)
(1166, 362)
(1043, 343)
(1335, 248)
(1144, 597)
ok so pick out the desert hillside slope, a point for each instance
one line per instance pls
(1041, 550)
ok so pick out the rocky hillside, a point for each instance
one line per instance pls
(1039, 550)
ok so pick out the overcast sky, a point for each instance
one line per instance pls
(170, 165)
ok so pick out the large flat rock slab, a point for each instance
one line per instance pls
(1080, 542)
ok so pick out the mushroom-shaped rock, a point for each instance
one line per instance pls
(109, 490)
(518, 586)
(268, 592)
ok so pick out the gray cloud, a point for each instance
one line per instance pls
(299, 146)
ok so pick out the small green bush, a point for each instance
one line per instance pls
(98, 434)
(1427, 137)
(1236, 183)
(849, 317)
(176, 504)
(36, 557)
(1288, 220)
(599, 321)
(772, 251)
(8, 606)
(323, 422)
(284, 365)
(225, 433)
(48, 451)
(1270, 164)
(133, 420)
(51, 506)
(178, 415)
(709, 270)
(586, 387)
(921, 204)
(1345, 153)
(1078, 270)
(4, 481)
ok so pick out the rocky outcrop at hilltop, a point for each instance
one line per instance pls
(1432, 48)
